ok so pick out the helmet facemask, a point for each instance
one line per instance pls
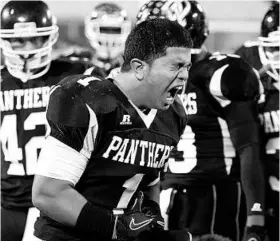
(107, 33)
(269, 53)
(28, 64)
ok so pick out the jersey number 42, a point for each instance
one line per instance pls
(10, 143)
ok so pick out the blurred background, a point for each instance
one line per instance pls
(231, 22)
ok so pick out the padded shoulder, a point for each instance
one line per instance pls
(233, 79)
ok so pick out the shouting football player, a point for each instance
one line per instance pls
(28, 32)
(98, 172)
(201, 188)
(263, 55)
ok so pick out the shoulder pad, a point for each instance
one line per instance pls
(235, 80)
(66, 108)
(94, 90)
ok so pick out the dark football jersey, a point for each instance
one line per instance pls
(268, 111)
(126, 148)
(22, 130)
(221, 114)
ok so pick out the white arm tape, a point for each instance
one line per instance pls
(59, 161)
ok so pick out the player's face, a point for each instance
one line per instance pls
(168, 74)
(27, 44)
(273, 54)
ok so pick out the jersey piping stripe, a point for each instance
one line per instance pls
(214, 209)
(229, 150)
(215, 86)
(90, 137)
(238, 209)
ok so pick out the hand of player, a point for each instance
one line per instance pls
(143, 216)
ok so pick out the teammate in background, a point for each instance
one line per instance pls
(263, 55)
(201, 189)
(27, 38)
(111, 138)
(106, 29)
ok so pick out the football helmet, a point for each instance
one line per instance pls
(269, 42)
(106, 29)
(189, 14)
(23, 20)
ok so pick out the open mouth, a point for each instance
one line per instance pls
(173, 91)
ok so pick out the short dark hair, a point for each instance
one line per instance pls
(149, 40)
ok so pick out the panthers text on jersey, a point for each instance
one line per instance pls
(125, 148)
(219, 105)
(22, 132)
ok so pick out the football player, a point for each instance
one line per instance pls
(98, 171)
(28, 33)
(263, 55)
(106, 29)
(201, 188)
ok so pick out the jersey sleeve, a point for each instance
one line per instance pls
(71, 121)
(242, 121)
(235, 80)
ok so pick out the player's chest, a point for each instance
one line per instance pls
(21, 99)
(23, 111)
(125, 137)
(132, 123)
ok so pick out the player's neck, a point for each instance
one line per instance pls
(131, 88)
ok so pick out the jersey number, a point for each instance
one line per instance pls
(189, 101)
(189, 152)
(12, 152)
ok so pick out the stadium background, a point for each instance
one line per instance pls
(231, 22)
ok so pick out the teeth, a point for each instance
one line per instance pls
(179, 87)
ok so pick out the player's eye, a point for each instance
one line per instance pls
(183, 65)
(180, 65)
(17, 40)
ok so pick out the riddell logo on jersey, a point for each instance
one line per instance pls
(126, 120)
(256, 207)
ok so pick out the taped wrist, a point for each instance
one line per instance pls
(94, 220)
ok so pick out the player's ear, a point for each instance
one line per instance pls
(138, 67)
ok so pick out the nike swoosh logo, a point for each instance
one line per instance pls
(136, 226)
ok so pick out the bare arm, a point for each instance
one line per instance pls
(57, 199)
(59, 169)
